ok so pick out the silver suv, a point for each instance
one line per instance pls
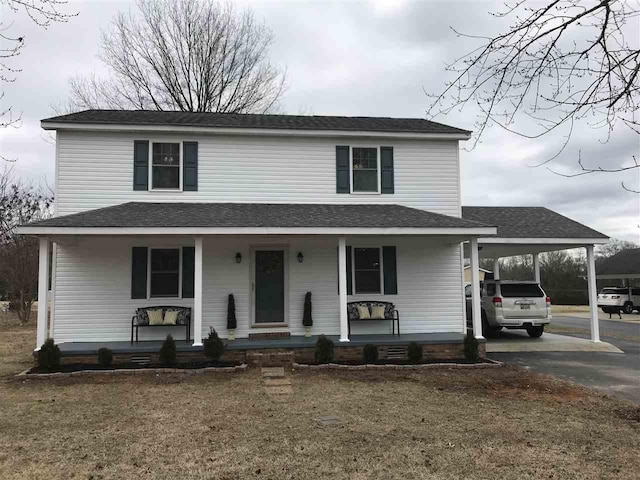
(512, 305)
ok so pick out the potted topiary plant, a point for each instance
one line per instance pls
(307, 320)
(232, 324)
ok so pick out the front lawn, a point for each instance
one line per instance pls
(493, 423)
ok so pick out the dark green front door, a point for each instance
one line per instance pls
(269, 286)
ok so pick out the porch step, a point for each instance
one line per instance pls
(268, 335)
(396, 353)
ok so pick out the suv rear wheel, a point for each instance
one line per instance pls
(535, 332)
(628, 307)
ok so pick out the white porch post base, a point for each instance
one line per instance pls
(197, 294)
(342, 286)
(536, 267)
(43, 292)
(476, 313)
(593, 294)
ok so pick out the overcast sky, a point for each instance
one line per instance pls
(353, 58)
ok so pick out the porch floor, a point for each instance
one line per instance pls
(91, 348)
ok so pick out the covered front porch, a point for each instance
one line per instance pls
(104, 269)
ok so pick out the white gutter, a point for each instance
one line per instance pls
(281, 132)
(542, 241)
(44, 230)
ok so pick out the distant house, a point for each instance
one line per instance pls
(624, 266)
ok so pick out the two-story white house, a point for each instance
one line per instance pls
(183, 209)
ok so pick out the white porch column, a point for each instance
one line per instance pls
(476, 313)
(536, 267)
(43, 292)
(342, 287)
(593, 294)
(496, 269)
(197, 294)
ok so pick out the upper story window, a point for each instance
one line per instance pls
(165, 166)
(365, 171)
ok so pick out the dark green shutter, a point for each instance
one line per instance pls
(190, 166)
(386, 169)
(139, 272)
(141, 165)
(188, 271)
(389, 270)
(342, 169)
(349, 272)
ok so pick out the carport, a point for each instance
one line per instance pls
(529, 231)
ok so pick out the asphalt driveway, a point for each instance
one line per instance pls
(612, 373)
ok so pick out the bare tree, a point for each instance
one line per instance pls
(559, 62)
(196, 56)
(20, 203)
(614, 246)
(43, 13)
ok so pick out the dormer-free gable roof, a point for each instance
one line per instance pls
(259, 122)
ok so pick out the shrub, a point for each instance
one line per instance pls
(307, 320)
(105, 357)
(414, 352)
(168, 351)
(324, 349)
(49, 355)
(370, 353)
(471, 348)
(231, 314)
(213, 346)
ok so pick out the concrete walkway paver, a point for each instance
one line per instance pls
(276, 384)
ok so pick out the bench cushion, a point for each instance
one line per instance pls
(353, 313)
(184, 314)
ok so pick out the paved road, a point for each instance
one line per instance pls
(613, 373)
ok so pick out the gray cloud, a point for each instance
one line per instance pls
(357, 58)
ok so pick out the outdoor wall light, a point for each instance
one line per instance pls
(300, 257)
(238, 257)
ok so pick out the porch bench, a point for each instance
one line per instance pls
(141, 319)
(390, 313)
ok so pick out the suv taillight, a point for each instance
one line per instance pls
(497, 302)
(548, 302)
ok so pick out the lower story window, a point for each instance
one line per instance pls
(165, 272)
(367, 270)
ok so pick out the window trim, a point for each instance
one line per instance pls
(353, 270)
(150, 249)
(379, 169)
(180, 166)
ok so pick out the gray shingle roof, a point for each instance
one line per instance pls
(253, 121)
(626, 262)
(529, 222)
(138, 214)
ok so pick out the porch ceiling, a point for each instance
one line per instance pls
(144, 218)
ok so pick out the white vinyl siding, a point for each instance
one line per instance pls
(95, 169)
(93, 292)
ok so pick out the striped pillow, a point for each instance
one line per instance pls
(155, 317)
(170, 317)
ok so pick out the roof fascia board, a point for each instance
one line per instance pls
(544, 241)
(618, 276)
(251, 131)
(467, 232)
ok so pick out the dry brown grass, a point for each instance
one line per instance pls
(497, 423)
